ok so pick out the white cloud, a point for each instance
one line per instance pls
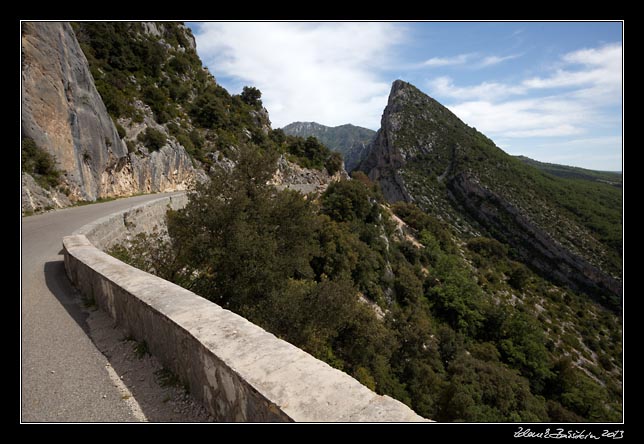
(543, 117)
(597, 70)
(470, 60)
(589, 83)
(594, 142)
(444, 86)
(495, 60)
(607, 55)
(448, 61)
(326, 72)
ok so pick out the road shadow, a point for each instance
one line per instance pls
(60, 286)
(158, 394)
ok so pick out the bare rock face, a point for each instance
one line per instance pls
(385, 157)
(291, 176)
(35, 198)
(64, 114)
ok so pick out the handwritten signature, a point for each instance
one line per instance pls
(568, 434)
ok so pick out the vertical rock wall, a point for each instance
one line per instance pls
(65, 115)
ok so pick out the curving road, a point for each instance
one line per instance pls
(64, 377)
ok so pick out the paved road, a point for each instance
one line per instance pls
(64, 376)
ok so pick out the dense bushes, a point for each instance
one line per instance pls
(334, 163)
(39, 164)
(209, 110)
(309, 152)
(421, 221)
(308, 272)
(153, 139)
(252, 96)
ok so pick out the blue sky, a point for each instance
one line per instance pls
(550, 91)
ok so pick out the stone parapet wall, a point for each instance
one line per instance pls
(118, 227)
(237, 369)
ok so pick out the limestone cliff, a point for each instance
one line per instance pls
(292, 176)
(65, 115)
(423, 153)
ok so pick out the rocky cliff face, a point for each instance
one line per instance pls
(424, 154)
(409, 129)
(64, 114)
(532, 244)
(292, 176)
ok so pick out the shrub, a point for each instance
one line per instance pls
(152, 139)
(519, 275)
(208, 111)
(120, 130)
(348, 200)
(252, 96)
(421, 221)
(39, 164)
(131, 146)
(488, 248)
(334, 163)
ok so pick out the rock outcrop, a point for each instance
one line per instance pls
(65, 115)
(35, 198)
(391, 148)
(532, 244)
(423, 153)
(292, 176)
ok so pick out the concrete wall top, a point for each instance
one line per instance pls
(238, 369)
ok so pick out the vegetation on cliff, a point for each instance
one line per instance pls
(428, 146)
(141, 71)
(39, 164)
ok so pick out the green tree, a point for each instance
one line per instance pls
(487, 391)
(310, 314)
(242, 237)
(334, 163)
(208, 111)
(153, 139)
(454, 295)
(349, 200)
(252, 96)
(523, 346)
(519, 275)
(39, 163)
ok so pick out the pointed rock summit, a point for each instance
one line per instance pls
(413, 126)
(424, 153)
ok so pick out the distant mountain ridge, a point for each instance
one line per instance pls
(569, 172)
(350, 140)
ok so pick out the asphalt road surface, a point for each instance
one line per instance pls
(64, 377)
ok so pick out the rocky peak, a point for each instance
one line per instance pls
(304, 128)
(151, 28)
(425, 154)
